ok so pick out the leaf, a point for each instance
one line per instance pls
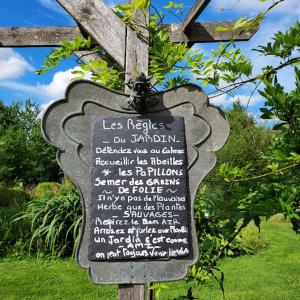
(222, 28)
(279, 126)
(172, 4)
(280, 155)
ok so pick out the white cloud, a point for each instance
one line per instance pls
(256, 116)
(44, 106)
(56, 88)
(17, 86)
(220, 100)
(12, 64)
(227, 100)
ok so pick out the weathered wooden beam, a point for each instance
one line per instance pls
(43, 37)
(206, 32)
(194, 13)
(131, 292)
(137, 60)
(137, 55)
(36, 36)
(53, 36)
(86, 55)
(101, 23)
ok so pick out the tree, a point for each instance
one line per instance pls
(25, 156)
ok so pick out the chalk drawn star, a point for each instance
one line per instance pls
(106, 172)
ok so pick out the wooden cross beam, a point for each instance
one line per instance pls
(194, 13)
(106, 28)
(53, 36)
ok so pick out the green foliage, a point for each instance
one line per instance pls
(172, 4)
(13, 197)
(44, 187)
(164, 55)
(55, 220)
(12, 233)
(175, 81)
(251, 240)
(284, 106)
(65, 50)
(25, 156)
(258, 170)
(158, 287)
(101, 73)
(189, 296)
(223, 208)
(284, 44)
(267, 185)
(125, 11)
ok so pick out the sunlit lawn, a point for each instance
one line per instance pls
(272, 274)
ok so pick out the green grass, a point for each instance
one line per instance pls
(271, 274)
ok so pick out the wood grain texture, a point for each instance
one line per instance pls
(137, 60)
(101, 23)
(54, 36)
(36, 36)
(137, 57)
(206, 32)
(131, 292)
(194, 13)
(86, 55)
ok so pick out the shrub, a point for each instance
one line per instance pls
(24, 154)
(44, 187)
(279, 218)
(12, 201)
(55, 220)
(251, 240)
(12, 233)
(13, 197)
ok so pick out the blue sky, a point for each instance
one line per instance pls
(17, 66)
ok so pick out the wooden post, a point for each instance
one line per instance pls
(131, 292)
(136, 61)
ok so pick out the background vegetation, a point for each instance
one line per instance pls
(271, 274)
(257, 175)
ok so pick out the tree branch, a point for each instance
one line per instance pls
(236, 85)
(259, 176)
(267, 174)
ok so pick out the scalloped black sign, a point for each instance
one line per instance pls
(73, 124)
(139, 203)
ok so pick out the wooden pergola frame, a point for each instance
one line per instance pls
(98, 21)
(123, 46)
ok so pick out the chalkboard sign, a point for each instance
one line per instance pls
(139, 196)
